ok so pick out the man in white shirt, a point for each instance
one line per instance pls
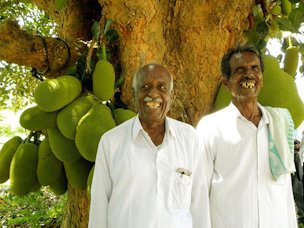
(245, 191)
(148, 171)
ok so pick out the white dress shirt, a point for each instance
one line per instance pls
(135, 183)
(242, 191)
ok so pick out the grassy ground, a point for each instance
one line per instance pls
(38, 209)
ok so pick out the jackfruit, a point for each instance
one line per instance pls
(6, 154)
(122, 115)
(90, 128)
(103, 80)
(35, 119)
(286, 7)
(53, 94)
(77, 173)
(223, 98)
(280, 90)
(63, 148)
(23, 169)
(89, 182)
(60, 186)
(69, 116)
(49, 167)
(291, 60)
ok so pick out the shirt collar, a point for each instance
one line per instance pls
(137, 127)
(234, 112)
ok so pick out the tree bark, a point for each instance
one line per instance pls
(189, 37)
(77, 209)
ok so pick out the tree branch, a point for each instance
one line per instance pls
(51, 56)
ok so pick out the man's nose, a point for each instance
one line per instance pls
(153, 92)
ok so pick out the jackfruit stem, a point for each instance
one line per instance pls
(103, 52)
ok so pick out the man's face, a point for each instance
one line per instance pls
(246, 79)
(152, 94)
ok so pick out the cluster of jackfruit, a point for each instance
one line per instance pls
(279, 90)
(71, 123)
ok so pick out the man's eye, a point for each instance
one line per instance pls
(239, 70)
(162, 87)
(144, 86)
(256, 68)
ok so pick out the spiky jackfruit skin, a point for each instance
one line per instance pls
(35, 119)
(280, 90)
(122, 115)
(6, 154)
(89, 182)
(90, 128)
(77, 173)
(53, 94)
(60, 186)
(69, 116)
(291, 60)
(63, 148)
(103, 80)
(23, 169)
(49, 167)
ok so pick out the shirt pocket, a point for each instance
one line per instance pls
(181, 191)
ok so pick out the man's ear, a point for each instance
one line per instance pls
(225, 81)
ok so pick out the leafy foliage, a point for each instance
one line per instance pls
(38, 209)
(280, 19)
(17, 82)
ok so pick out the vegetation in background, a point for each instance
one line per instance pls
(37, 209)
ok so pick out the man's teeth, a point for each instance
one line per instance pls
(153, 104)
(248, 85)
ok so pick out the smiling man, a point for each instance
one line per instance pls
(148, 171)
(249, 149)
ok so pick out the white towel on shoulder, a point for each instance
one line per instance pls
(281, 141)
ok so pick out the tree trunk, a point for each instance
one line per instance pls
(189, 37)
(77, 209)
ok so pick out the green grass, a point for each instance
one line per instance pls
(38, 209)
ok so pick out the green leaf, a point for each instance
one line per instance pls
(296, 16)
(95, 29)
(107, 26)
(60, 4)
(294, 1)
(286, 25)
(112, 36)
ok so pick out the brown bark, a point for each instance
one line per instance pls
(189, 37)
(77, 209)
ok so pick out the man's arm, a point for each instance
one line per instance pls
(101, 189)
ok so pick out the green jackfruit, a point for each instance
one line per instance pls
(291, 60)
(49, 167)
(69, 116)
(35, 119)
(90, 128)
(53, 94)
(279, 90)
(23, 169)
(103, 80)
(286, 7)
(77, 173)
(6, 154)
(89, 182)
(223, 98)
(63, 148)
(60, 186)
(122, 115)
